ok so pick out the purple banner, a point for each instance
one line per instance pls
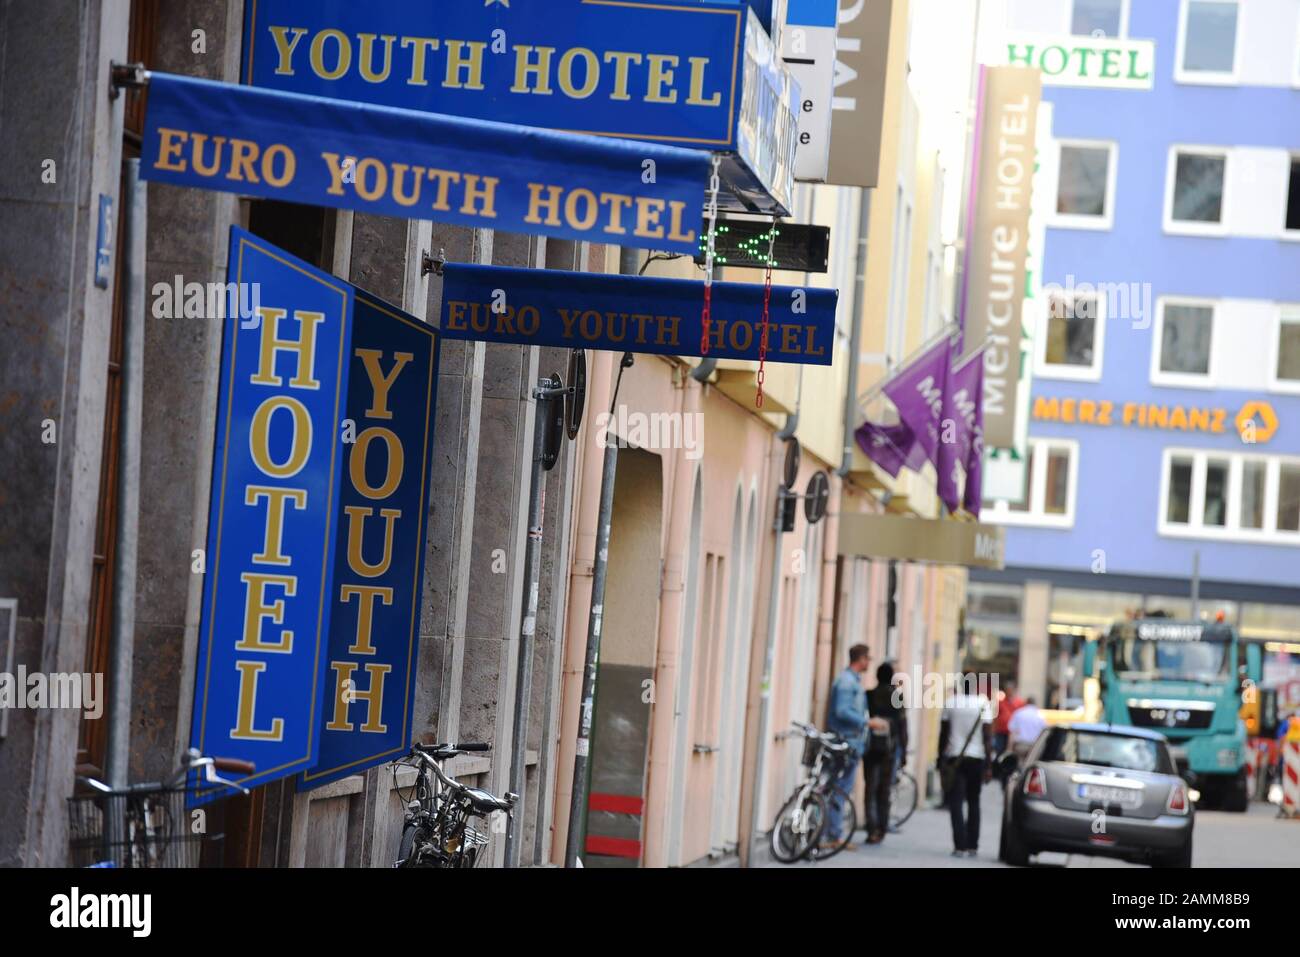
(917, 393)
(962, 410)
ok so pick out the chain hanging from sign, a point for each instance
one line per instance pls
(705, 317)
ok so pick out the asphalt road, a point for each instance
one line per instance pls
(1254, 839)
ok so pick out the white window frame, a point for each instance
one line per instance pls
(1049, 370)
(1123, 19)
(1232, 530)
(1207, 77)
(1183, 380)
(1078, 220)
(1186, 227)
(999, 512)
(1288, 313)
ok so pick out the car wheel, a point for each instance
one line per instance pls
(1237, 795)
(1011, 849)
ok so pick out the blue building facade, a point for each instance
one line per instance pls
(1165, 406)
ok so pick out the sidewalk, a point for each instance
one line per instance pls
(925, 841)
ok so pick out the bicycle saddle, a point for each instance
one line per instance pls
(486, 802)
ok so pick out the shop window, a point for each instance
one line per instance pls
(1196, 189)
(1072, 347)
(1225, 496)
(1085, 185)
(1183, 343)
(1098, 18)
(1207, 41)
(1051, 481)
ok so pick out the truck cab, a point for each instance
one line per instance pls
(1186, 680)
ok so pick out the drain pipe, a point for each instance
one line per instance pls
(855, 335)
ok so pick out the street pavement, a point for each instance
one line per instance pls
(1254, 839)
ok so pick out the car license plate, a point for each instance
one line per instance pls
(1124, 797)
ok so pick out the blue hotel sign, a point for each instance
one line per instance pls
(307, 644)
(277, 468)
(393, 162)
(379, 565)
(635, 314)
(662, 71)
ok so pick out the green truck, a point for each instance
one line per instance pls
(1184, 679)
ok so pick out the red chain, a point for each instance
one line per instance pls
(706, 317)
(762, 342)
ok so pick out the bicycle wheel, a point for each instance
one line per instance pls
(414, 836)
(902, 799)
(798, 826)
(830, 844)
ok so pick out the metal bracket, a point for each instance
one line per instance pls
(432, 264)
(130, 75)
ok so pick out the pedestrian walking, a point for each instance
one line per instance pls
(1025, 727)
(1008, 703)
(886, 751)
(965, 746)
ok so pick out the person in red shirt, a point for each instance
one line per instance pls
(1008, 703)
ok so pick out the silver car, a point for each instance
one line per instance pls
(1101, 789)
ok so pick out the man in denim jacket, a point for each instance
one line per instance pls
(848, 719)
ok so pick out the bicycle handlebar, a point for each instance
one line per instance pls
(234, 765)
(474, 746)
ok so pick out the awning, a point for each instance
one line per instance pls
(397, 162)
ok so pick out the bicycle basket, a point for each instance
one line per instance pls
(811, 747)
(143, 829)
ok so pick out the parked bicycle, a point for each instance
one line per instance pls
(439, 829)
(148, 825)
(803, 824)
(903, 797)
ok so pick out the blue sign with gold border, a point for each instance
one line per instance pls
(540, 307)
(391, 162)
(373, 652)
(639, 69)
(277, 469)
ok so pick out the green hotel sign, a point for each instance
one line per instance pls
(1085, 61)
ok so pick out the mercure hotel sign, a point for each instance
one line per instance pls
(667, 72)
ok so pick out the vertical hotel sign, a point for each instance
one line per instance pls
(373, 651)
(277, 468)
(308, 642)
(998, 237)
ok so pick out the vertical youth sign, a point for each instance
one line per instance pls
(271, 528)
(373, 648)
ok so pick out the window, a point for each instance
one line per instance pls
(1085, 185)
(1293, 193)
(1184, 343)
(1230, 495)
(1196, 190)
(1098, 18)
(1207, 41)
(1076, 327)
(1286, 367)
(1051, 482)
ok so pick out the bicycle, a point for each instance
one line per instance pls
(437, 830)
(903, 797)
(802, 822)
(146, 825)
